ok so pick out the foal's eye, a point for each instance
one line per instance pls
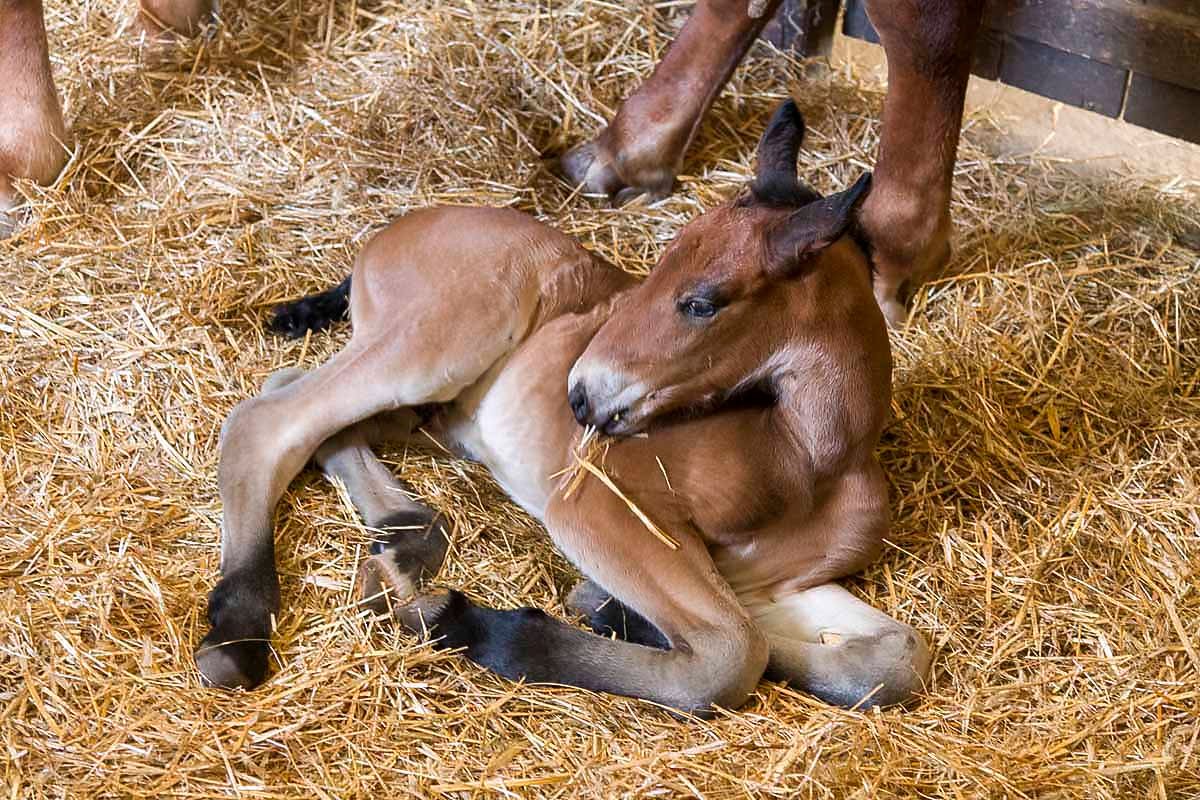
(698, 307)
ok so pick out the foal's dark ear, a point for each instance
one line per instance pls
(775, 181)
(813, 228)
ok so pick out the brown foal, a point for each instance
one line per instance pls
(745, 383)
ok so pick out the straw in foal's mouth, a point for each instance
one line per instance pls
(584, 463)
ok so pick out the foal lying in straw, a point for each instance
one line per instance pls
(755, 362)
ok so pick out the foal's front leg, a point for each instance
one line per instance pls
(713, 655)
(642, 149)
(827, 642)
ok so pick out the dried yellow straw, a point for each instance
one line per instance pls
(637, 512)
(1058, 360)
(584, 460)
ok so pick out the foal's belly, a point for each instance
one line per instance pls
(516, 420)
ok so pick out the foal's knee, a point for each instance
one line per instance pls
(255, 425)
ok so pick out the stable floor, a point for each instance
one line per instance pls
(1043, 456)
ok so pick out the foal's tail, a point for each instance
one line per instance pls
(316, 312)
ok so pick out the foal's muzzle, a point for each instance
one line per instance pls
(605, 417)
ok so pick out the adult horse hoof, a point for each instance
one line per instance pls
(593, 167)
(160, 19)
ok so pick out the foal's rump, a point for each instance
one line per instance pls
(455, 271)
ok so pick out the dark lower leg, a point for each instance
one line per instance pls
(642, 149)
(527, 644)
(265, 443)
(410, 538)
(906, 217)
(712, 655)
(32, 133)
(608, 617)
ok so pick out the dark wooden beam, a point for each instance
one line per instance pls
(1059, 75)
(1158, 38)
(1165, 107)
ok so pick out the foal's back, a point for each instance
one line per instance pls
(500, 272)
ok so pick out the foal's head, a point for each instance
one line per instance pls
(744, 293)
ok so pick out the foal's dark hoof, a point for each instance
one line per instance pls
(236, 651)
(237, 664)
(416, 541)
(433, 613)
(408, 550)
(608, 617)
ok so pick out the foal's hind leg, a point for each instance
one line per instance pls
(830, 644)
(267, 440)
(411, 539)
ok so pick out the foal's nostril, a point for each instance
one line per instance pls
(577, 398)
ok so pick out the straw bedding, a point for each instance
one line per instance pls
(1044, 453)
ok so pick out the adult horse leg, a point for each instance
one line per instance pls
(906, 217)
(642, 149)
(830, 644)
(32, 133)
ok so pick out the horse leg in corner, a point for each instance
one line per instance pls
(715, 654)
(642, 149)
(32, 133)
(906, 217)
(830, 644)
